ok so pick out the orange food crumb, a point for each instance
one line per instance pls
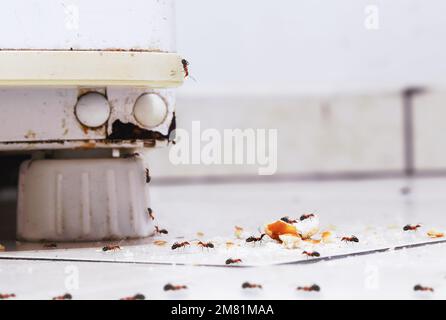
(159, 242)
(435, 234)
(278, 228)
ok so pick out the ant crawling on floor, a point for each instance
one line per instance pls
(160, 231)
(208, 245)
(419, 287)
(232, 261)
(50, 245)
(350, 239)
(7, 296)
(171, 287)
(150, 211)
(111, 247)
(255, 239)
(137, 296)
(247, 285)
(288, 220)
(306, 216)
(410, 227)
(66, 296)
(311, 253)
(314, 287)
(177, 245)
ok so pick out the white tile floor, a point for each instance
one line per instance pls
(375, 211)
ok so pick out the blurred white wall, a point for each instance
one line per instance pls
(311, 46)
(313, 70)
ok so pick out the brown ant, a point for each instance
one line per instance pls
(131, 155)
(50, 245)
(148, 178)
(150, 211)
(419, 287)
(177, 245)
(350, 239)
(409, 227)
(7, 295)
(185, 64)
(247, 285)
(66, 296)
(288, 220)
(311, 253)
(314, 287)
(306, 216)
(206, 244)
(160, 231)
(255, 239)
(137, 296)
(232, 261)
(171, 287)
(111, 247)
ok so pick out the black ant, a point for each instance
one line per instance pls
(206, 244)
(255, 239)
(7, 296)
(160, 231)
(171, 287)
(409, 227)
(150, 211)
(66, 296)
(111, 247)
(306, 216)
(314, 287)
(311, 253)
(247, 285)
(350, 239)
(288, 220)
(137, 296)
(148, 178)
(419, 287)
(232, 261)
(177, 245)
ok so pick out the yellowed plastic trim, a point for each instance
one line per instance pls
(90, 68)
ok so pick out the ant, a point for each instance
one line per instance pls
(185, 64)
(288, 220)
(419, 287)
(255, 239)
(148, 178)
(232, 261)
(177, 245)
(171, 287)
(306, 216)
(50, 245)
(160, 231)
(150, 211)
(247, 285)
(131, 155)
(137, 296)
(7, 295)
(66, 296)
(111, 247)
(350, 239)
(409, 227)
(206, 244)
(314, 287)
(311, 253)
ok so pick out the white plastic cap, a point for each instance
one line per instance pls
(92, 109)
(150, 110)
